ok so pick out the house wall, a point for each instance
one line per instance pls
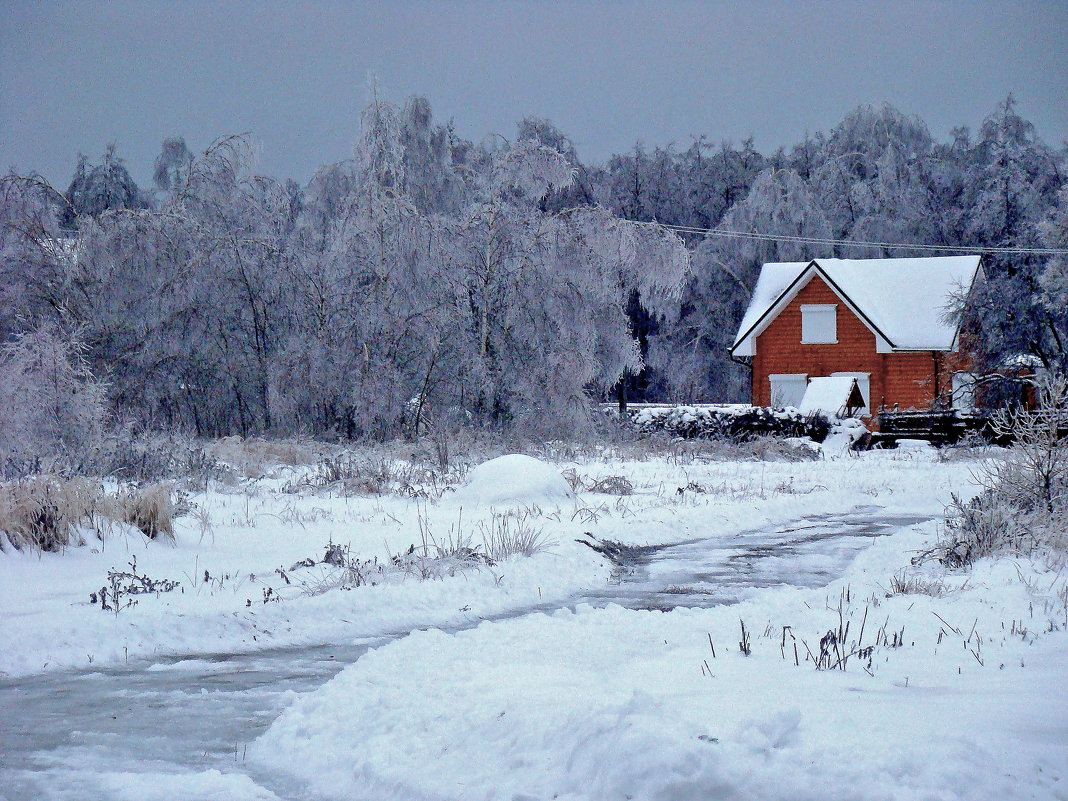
(905, 379)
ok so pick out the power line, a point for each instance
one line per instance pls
(813, 240)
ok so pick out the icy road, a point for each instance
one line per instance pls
(181, 728)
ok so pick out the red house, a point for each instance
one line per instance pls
(881, 321)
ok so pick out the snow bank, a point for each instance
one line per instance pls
(233, 597)
(614, 704)
(244, 537)
(514, 480)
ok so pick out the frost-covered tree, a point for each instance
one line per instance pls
(51, 406)
(1013, 178)
(172, 166)
(97, 188)
(240, 223)
(714, 179)
(689, 355)
(545, 295)
(35, 255)
(871, 177)
(1053, 282)
(366, 326)
(580, 191)
(181, 304)
(1012, 181)
(500, 251)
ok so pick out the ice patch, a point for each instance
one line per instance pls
(190, 664)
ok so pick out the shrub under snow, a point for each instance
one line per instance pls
(1023, 506)
(735, 422)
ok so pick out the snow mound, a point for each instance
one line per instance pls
(843, 434)
(514, 480)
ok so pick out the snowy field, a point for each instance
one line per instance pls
(539, 677)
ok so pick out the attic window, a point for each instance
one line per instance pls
(819, 325)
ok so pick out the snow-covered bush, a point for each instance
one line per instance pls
(1023, 505)
(735, 422)
(348, 473)
(152, 456)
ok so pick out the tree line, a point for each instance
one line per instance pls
(434, 281)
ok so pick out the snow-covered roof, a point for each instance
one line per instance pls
(830, 394)
(903, 301)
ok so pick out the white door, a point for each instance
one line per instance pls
(864, 385)
(787, 389)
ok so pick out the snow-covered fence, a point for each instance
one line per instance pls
(738, 422)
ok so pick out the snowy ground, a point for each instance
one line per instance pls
(961, 695)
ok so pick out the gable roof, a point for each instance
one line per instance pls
(902, 301)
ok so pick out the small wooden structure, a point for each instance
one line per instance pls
(834, 396)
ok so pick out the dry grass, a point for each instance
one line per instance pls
(612, 485)
(44, 512)
(357, 473)
(507, 535)
(254, 456)
(904, 584)
(150, 509)
(606, 485)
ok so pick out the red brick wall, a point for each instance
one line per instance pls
(906, 379)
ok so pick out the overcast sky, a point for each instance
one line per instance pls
(77, 75)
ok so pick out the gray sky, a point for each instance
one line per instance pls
(77, 75)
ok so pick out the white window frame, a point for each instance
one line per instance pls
(864, 385)
(794, 381)
(819, 324)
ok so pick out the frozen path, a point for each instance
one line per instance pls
(179, 729)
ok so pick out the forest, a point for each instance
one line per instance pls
(430, 282)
